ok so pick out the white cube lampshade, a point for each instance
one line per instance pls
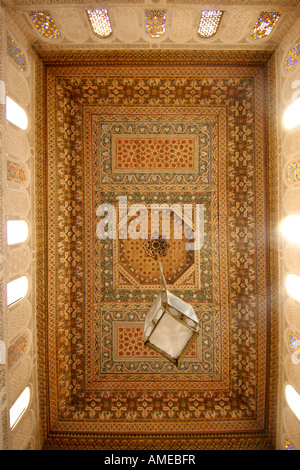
(171, 326)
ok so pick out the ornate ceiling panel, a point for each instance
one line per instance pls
(147, 129)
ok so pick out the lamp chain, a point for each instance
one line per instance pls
(163, 280)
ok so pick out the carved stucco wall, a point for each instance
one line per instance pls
(17, 322)
(288, 88)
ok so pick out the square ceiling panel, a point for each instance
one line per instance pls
(156, 131)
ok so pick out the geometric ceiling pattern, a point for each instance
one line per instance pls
(156, 129)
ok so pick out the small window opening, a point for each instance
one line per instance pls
(15, 114)
(293, 286)
(16, 231)
(291, 117)
(290, 228)
(16, 290)
(19, 407)
(293, 399)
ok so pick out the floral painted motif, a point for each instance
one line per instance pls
(101, 381)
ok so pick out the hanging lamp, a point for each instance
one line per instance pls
(171, 325)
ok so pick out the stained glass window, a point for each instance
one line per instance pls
(288, 445)
(16, 172)
(265, 24)
(17, 350)
(15, 53)
(293, 172)
(293, 342)
(155, 22)
(293, 56)
(209, 23)
(44, 24)
(100, 22)
(294, 345)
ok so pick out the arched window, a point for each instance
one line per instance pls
(288, 445)
(293, 56)
(291, 117)
(293, 342)
(294, 345)
(17, 350)
(16, 172)
(45, 25)
(265, 24)
(16, 231)
(209, 23)
(293, 286)
(15, 53)
(155, 23)
(16, 290)
(16, 114)
(19, 407)
(293, 172)
(99, 20)
(290, 228)
(293, 399)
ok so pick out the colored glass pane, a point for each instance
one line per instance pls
(44, 24)
(265, 24)
(209, 23)
(294, 345)
(15, 53)
(16, 173)
(293, 56)
(288, 445)
(29, 446)
(293, 172)
(17, 350)
(155, 22)
(100, 22)
(293, 341)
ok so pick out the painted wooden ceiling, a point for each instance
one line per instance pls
(102, 389)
